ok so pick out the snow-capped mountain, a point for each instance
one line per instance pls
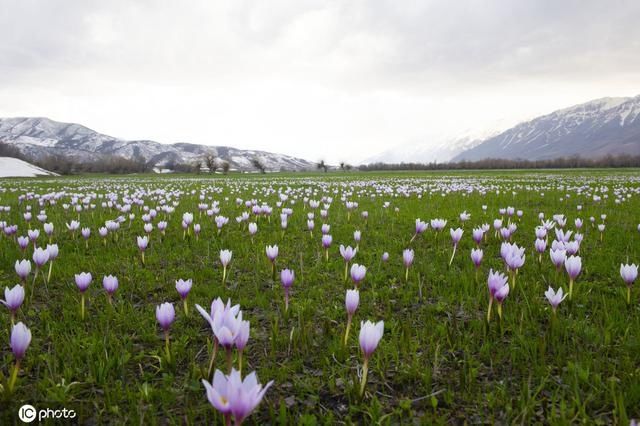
(440, 152)
(591, 130)
(37, 137)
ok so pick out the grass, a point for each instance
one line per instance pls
(438, 361)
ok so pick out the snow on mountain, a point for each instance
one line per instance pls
(13, 167)
(592, 129)
(38, 137)
(439, 152)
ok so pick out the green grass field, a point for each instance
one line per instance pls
(439, 361)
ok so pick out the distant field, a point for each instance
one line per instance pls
(438, 361)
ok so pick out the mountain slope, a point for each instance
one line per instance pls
(591, 130)
(440, 152)
(37, 137)
(13, 167)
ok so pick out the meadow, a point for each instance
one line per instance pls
(440, 359)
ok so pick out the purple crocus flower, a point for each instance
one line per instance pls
(83, 279)
(110, 285)
(351, 303)
(558, 257)
(183, 287)
(40, 257)
(629, 274)
(232, 396)
(23, 269)
(225, 259)
(13, 299)
(477, 235)
(456, 236)
(272, 253)
(541, 247)
(554, 298)
(347, 253)
(438, 224)
(165, 315)
(358, 273)
(495, 282)
(476, 257)
(370, 335)
(573, 266)
(23, 243)
(20, 340)
(286, 277)
(407, 259)
(419, 229)
(352, 300)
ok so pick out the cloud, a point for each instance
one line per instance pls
(302, 76)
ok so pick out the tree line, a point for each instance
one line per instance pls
(609, 161)
(113, 164)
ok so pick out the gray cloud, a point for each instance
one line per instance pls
(270, 57)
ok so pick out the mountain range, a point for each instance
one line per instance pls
(38, 137)
(606, 126)
(601, 127)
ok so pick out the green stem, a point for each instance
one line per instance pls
(166, 345)
(346, 333)
(229, 360)
(82, 306)
(213, 358)
(365, 371)
(49, 274)
(453, 254)
(570, 288)
(14, 376)
(489, 309)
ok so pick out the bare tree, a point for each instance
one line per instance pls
(322, 165)
(225, 167)
(210, 162)
(342, 165)
(257, 163)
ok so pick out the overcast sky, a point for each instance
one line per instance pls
(317, 79)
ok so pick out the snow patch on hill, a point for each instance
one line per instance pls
(13, 167)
